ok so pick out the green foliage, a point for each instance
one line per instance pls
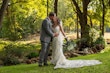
(107, 49)
(32, 55)
(29, 25)
(95, 10)
(9, 56)
(69, 45)
(23, 18)
(68, 24)
(100, 40)
(94, 34)
(95, 40)
(13, 50)
(82, 43)
(9, 60)
(11, 53)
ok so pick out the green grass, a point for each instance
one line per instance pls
(33, 68)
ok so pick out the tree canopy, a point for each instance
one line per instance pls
(24, 17)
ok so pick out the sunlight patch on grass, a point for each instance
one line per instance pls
(107, 48)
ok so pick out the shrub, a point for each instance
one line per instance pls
(69, 45)
(9, 60)
(1, 62)
(106, 49)
(94, 34)
(13, 52)
(81, 43)
(32, 55)
(101, 41)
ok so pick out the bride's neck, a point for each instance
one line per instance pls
(55, 25)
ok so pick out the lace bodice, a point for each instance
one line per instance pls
(56, 29)
(60, 37)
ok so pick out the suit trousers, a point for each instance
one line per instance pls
(44, 52)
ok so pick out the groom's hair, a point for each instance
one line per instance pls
(51, 14)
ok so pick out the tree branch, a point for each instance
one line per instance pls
(55, 6)
(77, 7)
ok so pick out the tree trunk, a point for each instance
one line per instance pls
(55, 6)
(83, 23)
(2, 10)
(109, 2)
(47, 7)
(91, 22)
(77, 28)
(103, 17)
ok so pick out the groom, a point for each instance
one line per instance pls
(45, 38)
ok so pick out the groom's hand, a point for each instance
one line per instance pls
(56, 34)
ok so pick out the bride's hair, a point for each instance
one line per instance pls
(58, 21)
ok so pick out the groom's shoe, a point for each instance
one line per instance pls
(45, 64)
(40, 65)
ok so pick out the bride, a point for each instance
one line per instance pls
(58, 58)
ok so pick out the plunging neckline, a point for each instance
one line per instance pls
(55, 26)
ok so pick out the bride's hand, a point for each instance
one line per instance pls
(56, 34)
(66, 38)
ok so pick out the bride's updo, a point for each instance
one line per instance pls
(58, 21)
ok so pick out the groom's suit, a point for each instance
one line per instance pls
(45, 38)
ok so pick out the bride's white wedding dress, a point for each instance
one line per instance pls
(58, 58)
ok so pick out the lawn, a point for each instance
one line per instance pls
(33, 68)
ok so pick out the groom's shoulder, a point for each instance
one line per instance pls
(46, 19)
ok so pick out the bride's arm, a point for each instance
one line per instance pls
(61, 29)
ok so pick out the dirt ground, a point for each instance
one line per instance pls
(35, 38)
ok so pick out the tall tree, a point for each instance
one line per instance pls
(82, 15)
(2, 10)
(104, 4)
(47, 7)
(103, 17)
(55, 6)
